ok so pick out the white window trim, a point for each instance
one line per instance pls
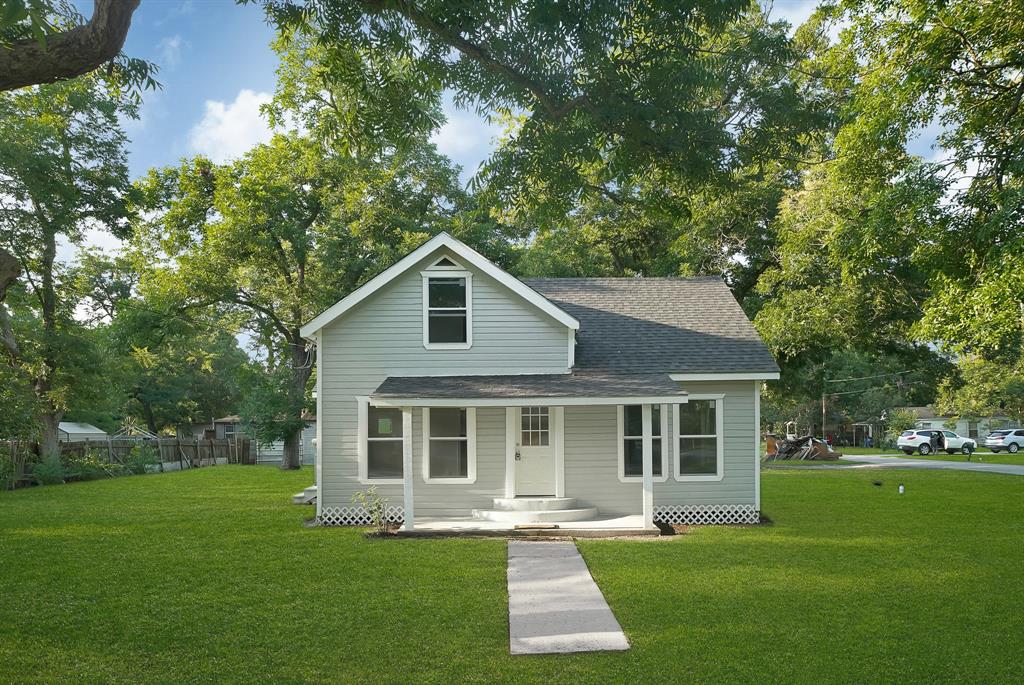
(470, 448)
(438, 266)
(720, 442)
(444, 272)
(665, 442)
(363, 404)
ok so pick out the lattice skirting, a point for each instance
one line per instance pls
(706, 514)
(356, 516)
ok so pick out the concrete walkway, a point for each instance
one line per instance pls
(903, 463)
(554, 605)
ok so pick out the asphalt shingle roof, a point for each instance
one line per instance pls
(577, 384)
(647, 325)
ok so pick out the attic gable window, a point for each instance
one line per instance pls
(447, 307)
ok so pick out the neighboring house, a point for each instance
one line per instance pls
(927, 417)
(228, 426)
(461, 392)
(71, 431)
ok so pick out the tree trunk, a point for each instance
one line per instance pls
(49, 444)
(302, 367)
(71, 53)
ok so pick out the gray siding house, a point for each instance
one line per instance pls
(470, 397)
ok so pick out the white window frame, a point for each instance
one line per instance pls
(470, 447)
(363, 404)
(665, 445)
(447, 272)
(719, 442)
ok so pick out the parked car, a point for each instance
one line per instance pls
(928, 440)
(1009, 439)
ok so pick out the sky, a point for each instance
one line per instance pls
(217, 68)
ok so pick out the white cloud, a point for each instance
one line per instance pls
(465, 138)
(228, 130)
(796, 12)
(169, 49)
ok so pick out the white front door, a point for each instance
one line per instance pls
(535, 453)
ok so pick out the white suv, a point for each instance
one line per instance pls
(1009, 439)
(928, 440)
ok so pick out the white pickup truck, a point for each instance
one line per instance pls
(928, 440)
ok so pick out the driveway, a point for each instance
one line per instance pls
(866, 461)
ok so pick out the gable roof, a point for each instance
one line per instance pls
(468, 255)
(670, 325)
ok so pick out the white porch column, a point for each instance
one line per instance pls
(409, 507)
(648, 459)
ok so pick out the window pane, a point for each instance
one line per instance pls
(448, 423)
(697, 417)
(384, 459)
(449, 459)
(698, 456)
(541, 439)
(633, 415)
(447, 292)
(633, 462)
(447, 327)
(385, 422)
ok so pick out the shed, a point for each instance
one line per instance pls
(72, 431)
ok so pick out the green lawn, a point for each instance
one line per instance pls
(208, 576)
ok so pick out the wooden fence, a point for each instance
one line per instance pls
(173, 453)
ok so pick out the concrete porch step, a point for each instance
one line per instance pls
(536, 516)
(307, 496)
(534, 503)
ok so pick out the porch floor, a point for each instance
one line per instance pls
(600, 526)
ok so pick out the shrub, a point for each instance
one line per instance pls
(49, 471)
(6, 473)
(141, 459)
(376, 506)
(91, 466)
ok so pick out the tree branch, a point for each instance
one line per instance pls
(71, 53)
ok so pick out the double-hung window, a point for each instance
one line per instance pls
(698, 426)
(383, 444)
(631, 444)
(449, 445)
(447, 309)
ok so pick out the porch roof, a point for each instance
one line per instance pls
(563, 388)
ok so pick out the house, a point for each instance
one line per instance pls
(72, 431)
(229, 426)
(466, 395)
(927, 417)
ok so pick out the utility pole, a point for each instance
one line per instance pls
(823, 396)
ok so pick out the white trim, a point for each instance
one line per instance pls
(318, 467)
(533, 401)
(719, 443)
(572, 347)
(620, 414)
(558, 421)
(470, 448)
(647, 439)
(362, 446)
(436, 266)
(467, 254)
(511, 426)
(407, 477)
(739, 376)
(426, 276)
(757, 445)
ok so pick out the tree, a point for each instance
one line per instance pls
(282, 234)
(62, 169)
(594, 96)
(42, 41)
(983, 389)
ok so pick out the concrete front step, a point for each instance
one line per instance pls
(307, 496)
(534, 503)
(537, 516)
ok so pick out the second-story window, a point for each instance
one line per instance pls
(448, 315)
